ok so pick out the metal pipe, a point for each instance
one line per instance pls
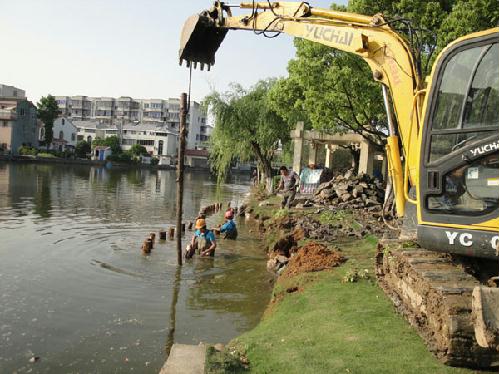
(389, 113)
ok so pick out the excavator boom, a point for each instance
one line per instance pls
(387, 53)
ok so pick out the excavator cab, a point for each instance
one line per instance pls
(459, 169)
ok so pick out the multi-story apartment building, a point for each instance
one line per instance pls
(11, 92)
(123, 110)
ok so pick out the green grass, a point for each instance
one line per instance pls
(334, 326)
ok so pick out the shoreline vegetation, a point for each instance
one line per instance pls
(324, 320)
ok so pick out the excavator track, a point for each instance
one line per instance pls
(434, 295)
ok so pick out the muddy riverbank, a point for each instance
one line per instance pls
(327, 313)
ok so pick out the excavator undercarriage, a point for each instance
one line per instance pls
(434, 293)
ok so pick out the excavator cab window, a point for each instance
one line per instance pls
(462, 163)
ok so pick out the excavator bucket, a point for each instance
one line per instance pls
(200, 40)
(485, 305)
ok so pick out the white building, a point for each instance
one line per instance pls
(64, 134)
(117, 111)
(159, 140)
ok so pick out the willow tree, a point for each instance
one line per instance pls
(246, 127)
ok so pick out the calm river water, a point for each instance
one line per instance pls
(75, 289)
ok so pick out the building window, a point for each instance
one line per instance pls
(73, 137)
(63, 121)
(61, 135)
(5, 124)
(145, 142)
(21, 112)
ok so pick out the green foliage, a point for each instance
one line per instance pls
(439, 21)
(281, 213)
(124, 157)
(82, 149)
(468, 16)
(47, 111)
(246, 126)
(112, 141)
(154, 161)
(138, 150)
(331, 90)
(27, 151)
(46, 155)
(334, 91)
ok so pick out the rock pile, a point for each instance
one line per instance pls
(350, 191)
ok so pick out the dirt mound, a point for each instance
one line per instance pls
(312, 257)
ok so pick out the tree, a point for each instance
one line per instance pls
(334, 91)
(138, 150)
(112, 141)
(434, 23)
(82, 149)
(468, 16)
(246, 126)
(48, 110)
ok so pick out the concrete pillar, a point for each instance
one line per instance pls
(312, 153)
(330, 149)
(366, 158)
(297, 136)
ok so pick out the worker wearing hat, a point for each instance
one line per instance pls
(203, 241)
(229, 228)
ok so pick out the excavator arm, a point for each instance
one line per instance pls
(387, 54)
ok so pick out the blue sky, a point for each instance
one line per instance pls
(123, 48)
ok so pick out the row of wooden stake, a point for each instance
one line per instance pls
(148, 244)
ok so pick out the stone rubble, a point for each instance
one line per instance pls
(348, 191)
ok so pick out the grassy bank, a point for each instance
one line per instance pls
(333, 321)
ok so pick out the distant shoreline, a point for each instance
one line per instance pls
(66, 161)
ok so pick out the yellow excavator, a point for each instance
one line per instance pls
(443, 156)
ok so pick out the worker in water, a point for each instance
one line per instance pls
(203, 241)
(288, 183)
(229, 229)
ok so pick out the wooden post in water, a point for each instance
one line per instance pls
(180, 174)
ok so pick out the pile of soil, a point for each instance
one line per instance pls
(312, 257)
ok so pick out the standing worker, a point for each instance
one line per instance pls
(203, 241)
(229, 228)
(289, 180)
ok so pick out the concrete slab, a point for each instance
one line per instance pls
(185, 359)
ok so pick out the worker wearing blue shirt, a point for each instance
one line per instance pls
(203, 241)
(229, 228)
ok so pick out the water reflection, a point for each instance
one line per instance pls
(77, 292)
